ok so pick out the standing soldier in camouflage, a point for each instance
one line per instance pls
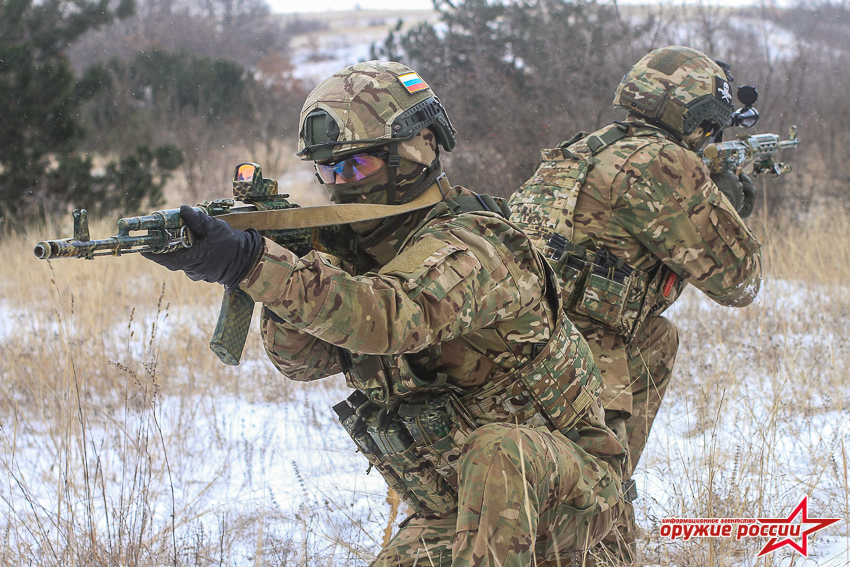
(627, 216)
(474, 397)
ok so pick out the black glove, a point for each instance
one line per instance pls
(220, 254)
(750, 194)
(731, 186)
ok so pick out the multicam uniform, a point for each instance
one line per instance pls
(649, 201)
(450, 344)
(627, 216)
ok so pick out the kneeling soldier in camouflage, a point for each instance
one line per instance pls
(627, 216)
(474, 396)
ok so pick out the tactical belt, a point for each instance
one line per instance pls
(328, 215)
(561, 399)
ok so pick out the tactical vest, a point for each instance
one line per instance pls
(411, 423)
(595, 284)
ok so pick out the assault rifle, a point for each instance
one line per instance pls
(166, 232)
(758, 149)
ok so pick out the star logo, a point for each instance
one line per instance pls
(803, 547)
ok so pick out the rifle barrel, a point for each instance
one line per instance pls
(71, 248)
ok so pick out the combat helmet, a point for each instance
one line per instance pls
(679, 89)
(370, 106)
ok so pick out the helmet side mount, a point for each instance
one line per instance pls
(320, 134)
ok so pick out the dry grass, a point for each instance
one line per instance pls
(107, 379)
(757, 414)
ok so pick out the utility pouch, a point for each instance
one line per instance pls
(428, 489)
(439, 427)
(606, 290)
(667, 287)
(649, 296)
(569, 261)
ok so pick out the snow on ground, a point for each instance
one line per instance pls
(768, 444)
(289, 466)
(348, 39)
(338, 51)
(231, 465)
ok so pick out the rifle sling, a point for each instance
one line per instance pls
(327, 215)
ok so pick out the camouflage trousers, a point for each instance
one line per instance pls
(525, 495)
(650, 357)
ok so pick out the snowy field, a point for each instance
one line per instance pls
(262, 473)
(756, 419)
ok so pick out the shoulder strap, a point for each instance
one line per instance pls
(328, 215)
(478, 204)
(573, 140)
(596, 143)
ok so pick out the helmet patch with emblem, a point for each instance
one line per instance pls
(412, 82)
(722, 90)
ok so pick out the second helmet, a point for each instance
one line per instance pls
(679, 88)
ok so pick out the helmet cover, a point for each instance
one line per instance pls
(368, 105)
(678, 87)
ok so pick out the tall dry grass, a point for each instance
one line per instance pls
(106, 372)
(757, 413)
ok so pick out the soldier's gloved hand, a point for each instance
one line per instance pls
(731, 186)
(220, 254)
(750, 193)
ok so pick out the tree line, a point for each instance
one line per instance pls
(516, 76)
(105, 101)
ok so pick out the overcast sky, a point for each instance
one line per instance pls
(289, 6)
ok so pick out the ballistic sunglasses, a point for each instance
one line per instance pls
(353, 168)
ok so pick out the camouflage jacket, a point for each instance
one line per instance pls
(455, 303)
(470, 283)
(650, 201)
(463, 296)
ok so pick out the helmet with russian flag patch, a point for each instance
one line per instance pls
(366, 105)
(679, 88)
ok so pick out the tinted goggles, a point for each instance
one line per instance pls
(353, 168)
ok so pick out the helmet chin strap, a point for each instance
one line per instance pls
(393, 162)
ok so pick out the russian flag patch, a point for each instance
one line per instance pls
(412, 82)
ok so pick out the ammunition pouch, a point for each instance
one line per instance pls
(415, 439)
(607, 291)
(389, 447)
